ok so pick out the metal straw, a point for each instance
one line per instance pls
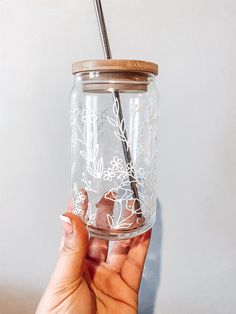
(116, 96)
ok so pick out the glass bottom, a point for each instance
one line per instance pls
(116, 235)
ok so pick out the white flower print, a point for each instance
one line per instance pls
(118, 124)
(109, 174)
(78, 198)
(81, 198)
(131, 168)
(78, 211)
(116, 163)
(119, 178)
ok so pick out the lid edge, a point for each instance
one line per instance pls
(115, 65)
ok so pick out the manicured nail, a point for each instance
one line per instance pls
(66, 223)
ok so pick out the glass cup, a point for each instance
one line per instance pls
(114, 114)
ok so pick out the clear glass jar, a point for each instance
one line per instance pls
(114, 112)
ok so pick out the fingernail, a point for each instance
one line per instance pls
(66, 223)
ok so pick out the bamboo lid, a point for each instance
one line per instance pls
(115, 65)
(121, 75)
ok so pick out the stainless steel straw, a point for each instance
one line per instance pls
(116, 96)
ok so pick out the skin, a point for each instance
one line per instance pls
(88, 280)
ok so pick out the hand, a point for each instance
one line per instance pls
(88, 280)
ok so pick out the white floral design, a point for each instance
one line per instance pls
(116, 163)
(87, 139)
(118, 225)
(78, 198)
(116, 174)
(73, 121)
(108, 174)
(88, 183)
(122, 194)
(120, 125)
(119, 194)
(90, 216)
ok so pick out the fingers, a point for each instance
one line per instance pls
(97, 250)
(97, 247)
(132, 268)
(109, 283)
(120, 249)
(118, 254)
(70, 209)
(72, 254)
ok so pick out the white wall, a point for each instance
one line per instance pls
(193, 251)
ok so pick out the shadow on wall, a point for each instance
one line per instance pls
(15, 300)
(151, 276)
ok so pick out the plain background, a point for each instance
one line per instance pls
(191, 267)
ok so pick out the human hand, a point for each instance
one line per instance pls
(88, 280)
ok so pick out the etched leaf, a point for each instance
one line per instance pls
(83, 154)
(125, 194)
(120, 136)
(81, 141)
(116, 108)
(123, 225)
(94, 152)
(111, 121)
(122, 125)
(110, 221)
(92, 172)
(100, 166)
(111, 195)
(81, 132)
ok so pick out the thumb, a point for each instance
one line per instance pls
(74, 248)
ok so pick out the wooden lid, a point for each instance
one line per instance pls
(115, 65)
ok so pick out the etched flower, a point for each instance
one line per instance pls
(78, 210)
(80, 197)
(116, 163)
(75, 189)
(108, 174)
(126, 172)
(119, 194)
(89, 116)
(131, 168)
